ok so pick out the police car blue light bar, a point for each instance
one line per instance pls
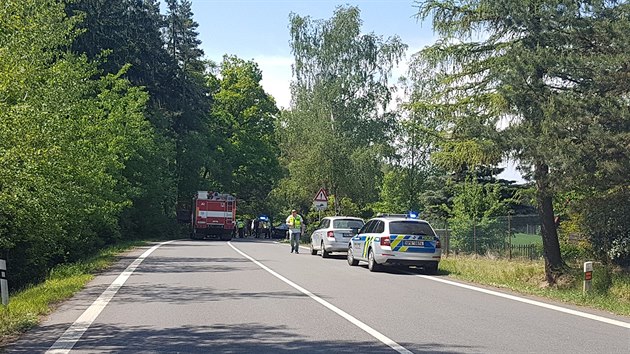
(413, 215)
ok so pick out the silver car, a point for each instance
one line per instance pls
(333, 233)
(396, 240)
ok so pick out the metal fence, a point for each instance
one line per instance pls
(512, 236)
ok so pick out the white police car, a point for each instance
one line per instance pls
(399, 240)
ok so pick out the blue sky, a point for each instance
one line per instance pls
(252, 28)
(258, 30)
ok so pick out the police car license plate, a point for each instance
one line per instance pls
(414, 243)
(347, 235)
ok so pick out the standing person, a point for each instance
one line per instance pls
(241, 228)
(256, 228)
(246, 227)
(265, 229)
(294, 221)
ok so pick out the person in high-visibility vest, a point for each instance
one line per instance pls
(295, 223)
(241, 228)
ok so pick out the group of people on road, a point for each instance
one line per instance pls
(256, 227)
(253, 228)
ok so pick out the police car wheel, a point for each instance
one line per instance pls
(313, 250)
(351, 261)
(372, 265)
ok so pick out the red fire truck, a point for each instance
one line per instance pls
(213, 216)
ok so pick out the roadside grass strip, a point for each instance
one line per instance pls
(528, 301)
(611, 291)
(27, 306)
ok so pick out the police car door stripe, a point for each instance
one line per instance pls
(394, 240)
(366, 245)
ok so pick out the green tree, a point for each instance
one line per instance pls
(393, 197)
(336, 133)
(128, 33)
(245, 114)
(191, 100)
(416, 141)
(65, 138)
(473, 222)
(181, 36)
(121, 32)
(500, 71)
(593, 151)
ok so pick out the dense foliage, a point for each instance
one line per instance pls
(337, 131)
(247, 161)
(110, 118)
(66, 136)
(536, 81)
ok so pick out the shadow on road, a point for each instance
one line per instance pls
(406, 271)
(161, 293)
(156, 264)
(220, 338)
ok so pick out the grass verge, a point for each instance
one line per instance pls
(26, 307)
(611, 289)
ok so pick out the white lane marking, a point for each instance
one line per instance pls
(528, 301)
(71, 336)
(374, 333)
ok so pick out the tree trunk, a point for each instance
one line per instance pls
(554, 264)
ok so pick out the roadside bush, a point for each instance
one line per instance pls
(576, 252)
(607, 225)
(485, 234)
(602, 279)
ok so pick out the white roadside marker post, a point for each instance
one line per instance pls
(4, 284)
(588, 277)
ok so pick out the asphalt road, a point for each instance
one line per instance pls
(255, 296)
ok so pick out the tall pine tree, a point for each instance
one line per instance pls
(499, 73)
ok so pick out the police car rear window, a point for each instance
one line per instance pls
(410, 228)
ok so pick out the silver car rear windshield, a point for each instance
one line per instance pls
(347, 224)
(410, 228)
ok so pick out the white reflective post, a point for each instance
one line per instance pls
(588, 277)
(4, 284)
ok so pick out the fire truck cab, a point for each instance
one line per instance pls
(213, 216)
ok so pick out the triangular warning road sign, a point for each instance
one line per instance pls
(321, 196)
